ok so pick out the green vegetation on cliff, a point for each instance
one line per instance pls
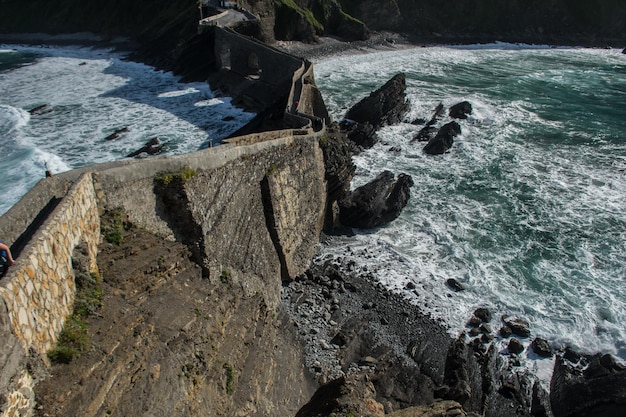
(75, 334)
(294, 22)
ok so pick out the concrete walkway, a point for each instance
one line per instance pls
(228, 17)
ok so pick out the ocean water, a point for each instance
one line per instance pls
(89, 94)
(527, 210)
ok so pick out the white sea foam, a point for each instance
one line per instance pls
(90, 94)
(11, 119)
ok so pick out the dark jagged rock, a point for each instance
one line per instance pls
(117, 133)
(483, 314)
(571, 355)
(518, 326)
(541, 347)
(505, 331)
(444, 139)
(339, 170)
(624, 51)
(438, 112)
(425, 134)
(515, 346)
(152, 147)
(456, 375)
(429, 131)
(377, 202)
(474, 321)
(597, 391)
(386, 106)
(362, 134)
(418, 121)
(460, 110)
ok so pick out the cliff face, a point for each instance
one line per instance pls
(163, 27)
(556, 21)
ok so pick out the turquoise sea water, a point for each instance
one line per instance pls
(527, 210)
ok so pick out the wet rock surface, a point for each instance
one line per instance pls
(349, 325)
(386, 106)
(377, 202)
(592, 386)
(443, 140)
(355, 331)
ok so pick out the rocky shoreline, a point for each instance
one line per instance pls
(357, 332)
(327, 47)
(397, 359)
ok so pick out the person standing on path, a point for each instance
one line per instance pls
(6, 259)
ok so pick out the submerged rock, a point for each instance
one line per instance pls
(455, 285)
(117, 133)
(425, 134)
(377, 202)
(152, 147)
(43, 109)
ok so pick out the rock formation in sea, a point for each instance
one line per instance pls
(376, 203)
(444, 139)
(386, 106)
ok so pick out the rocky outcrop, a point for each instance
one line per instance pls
(429, 131)
(353, 327)
(460, 110)
(152, 147)
(443, 140)
(377, 202)
(293, 23)
(595, 386)
(361, 134)
(386, 106)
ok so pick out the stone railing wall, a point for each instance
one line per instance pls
(39, 289)
(37, 294)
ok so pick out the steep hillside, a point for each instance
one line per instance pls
(167, 24)
(139, 19)
(555, 21)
